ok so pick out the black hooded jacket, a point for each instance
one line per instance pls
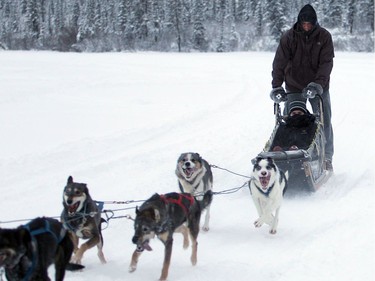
(303, 57)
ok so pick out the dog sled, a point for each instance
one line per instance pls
(305, 162)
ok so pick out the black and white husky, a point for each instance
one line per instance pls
(267, 188)
(195, 177)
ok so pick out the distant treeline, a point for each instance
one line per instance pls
(175, 25)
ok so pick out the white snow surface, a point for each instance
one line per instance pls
(119, 121)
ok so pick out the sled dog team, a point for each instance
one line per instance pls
(27, 251)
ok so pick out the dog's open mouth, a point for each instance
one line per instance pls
(145, 246)
(72, 209)
(264, 181)
(188, 172)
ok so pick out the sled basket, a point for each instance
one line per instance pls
(306, 163)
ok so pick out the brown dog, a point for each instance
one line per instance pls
(161, 216)
(82, 217)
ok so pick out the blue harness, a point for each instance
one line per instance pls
(33, 233)
(67, 221)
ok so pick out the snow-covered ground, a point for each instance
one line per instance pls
(119, 121)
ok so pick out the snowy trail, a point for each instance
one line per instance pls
(119, 121)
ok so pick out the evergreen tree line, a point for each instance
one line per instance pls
(175, 25)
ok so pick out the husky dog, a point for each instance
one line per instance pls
(195, 177)
(82, 217)
(161, 216)
(27, 251)
(267, 188)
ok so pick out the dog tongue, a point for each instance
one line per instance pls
(189, 172)
(147, 247)
(73, 208)
(264, 181)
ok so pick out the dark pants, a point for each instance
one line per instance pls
(327, 114)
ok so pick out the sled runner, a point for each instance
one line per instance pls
(304, 159)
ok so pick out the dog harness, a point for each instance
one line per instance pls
(68, 222)
(79, 218)
(265, 193)
(178, 201)
(34, 232)
(45, 229)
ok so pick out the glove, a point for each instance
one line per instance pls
(312, 90)
(278, 94)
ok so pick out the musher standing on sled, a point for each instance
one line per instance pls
(304, 61)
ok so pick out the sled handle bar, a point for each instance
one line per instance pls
(277, 111)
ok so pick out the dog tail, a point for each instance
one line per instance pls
(207, 199)
(74, 266)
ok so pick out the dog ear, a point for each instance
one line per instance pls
(199, 157)
(86, 189)
(23, 236)
(24, 239)
(157, 215)
(180, 157)
(136, 210)
(70, 179)
(270, 159)
(257, 160)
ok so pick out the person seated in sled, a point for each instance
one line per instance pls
(298, 130)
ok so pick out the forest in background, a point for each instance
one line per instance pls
(175, 25)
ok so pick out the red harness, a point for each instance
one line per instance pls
(178, 201)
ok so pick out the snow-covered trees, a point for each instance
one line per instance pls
(175, 25)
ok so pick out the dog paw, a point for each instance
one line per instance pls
(258, 223)
(75, 260)
(273, 231)
(132, 268)
(205, 228)
(193, 260)
(101, 257)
